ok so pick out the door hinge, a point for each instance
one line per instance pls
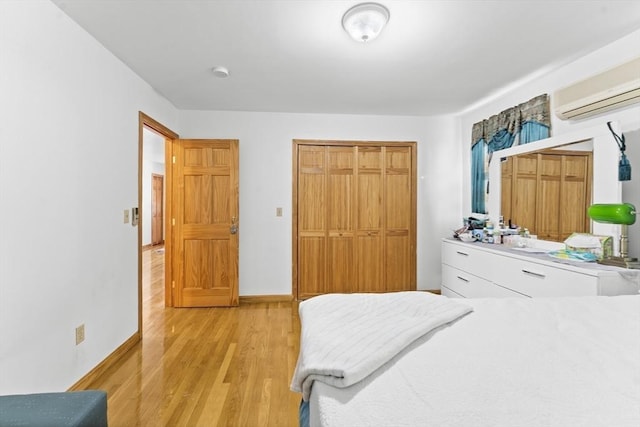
(174, 159)
(173, 221)
(173, 284)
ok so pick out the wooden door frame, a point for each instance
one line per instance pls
(146, 121)
(162, 181)
(349, 143)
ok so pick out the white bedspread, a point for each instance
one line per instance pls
(344, 338)
(556, 362)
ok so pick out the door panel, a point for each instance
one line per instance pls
(205, 208)
(312, 264)
(398, 219)
(340, 189)
(398, 195)
(370, 264)
(340, 271)
(397, 272)
(369, 197)
(312, 222)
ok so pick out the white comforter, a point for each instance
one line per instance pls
(560, 362)
(344, 338)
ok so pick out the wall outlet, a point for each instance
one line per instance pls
(79, 334)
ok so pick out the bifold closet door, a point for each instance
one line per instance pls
(355, 219)
(312, 221)
(398, 219)
(340, 210)
(325, 219)
(370, 217)
(548, 193)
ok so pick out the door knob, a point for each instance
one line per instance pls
(234, 225)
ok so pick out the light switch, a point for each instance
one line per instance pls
(126, 216)
(278, 211)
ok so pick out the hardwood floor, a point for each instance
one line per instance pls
(205, 366)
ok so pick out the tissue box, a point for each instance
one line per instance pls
(600, 246)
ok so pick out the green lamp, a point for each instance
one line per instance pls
(617, 213)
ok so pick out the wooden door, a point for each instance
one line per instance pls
(370, 220)
(354, 217)
(205, 209)
(311, 242)
(340, 222)
(157, 209)
(399, 219)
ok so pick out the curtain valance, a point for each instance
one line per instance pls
(511, 121)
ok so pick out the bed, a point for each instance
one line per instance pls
(418, 359)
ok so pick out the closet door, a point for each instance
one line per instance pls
(354, 219)
(340, 213)
(312, 220)
(370, 233)
(398, 219)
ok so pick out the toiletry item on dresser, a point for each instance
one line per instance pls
(488, 233)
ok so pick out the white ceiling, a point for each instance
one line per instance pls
(434, 57)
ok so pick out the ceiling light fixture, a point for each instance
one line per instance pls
(221, 72)
(364, 22)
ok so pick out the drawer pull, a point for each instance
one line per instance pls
(462, 253)
(463, 279)
(533, 273)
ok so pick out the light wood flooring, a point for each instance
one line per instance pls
(205, 367)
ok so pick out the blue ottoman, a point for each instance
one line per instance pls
(66, 409)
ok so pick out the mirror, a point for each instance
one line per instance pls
(549, 191)
(605, 186)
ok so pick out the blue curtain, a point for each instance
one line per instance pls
(533, 131)
(478, 177)
(501, 140)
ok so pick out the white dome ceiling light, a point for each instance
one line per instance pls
(364, 22)
(220, 72)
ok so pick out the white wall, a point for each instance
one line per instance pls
(628, 118)
(266, 182)
(68, 169)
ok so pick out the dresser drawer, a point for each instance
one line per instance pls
(449, 293)
(465, 257)
(538, 280)
(470, 286)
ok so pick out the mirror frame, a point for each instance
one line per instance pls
(605, 187)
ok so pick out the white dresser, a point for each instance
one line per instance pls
(476, 270)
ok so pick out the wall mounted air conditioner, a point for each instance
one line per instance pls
(608, 90)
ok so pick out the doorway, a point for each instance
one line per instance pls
(154, 152)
